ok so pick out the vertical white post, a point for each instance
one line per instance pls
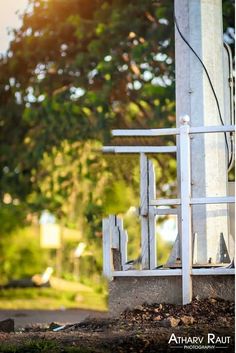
(106, 239)
(195, 255)
(144, 210)
(123, 249)
(115, 242)
(119, 226)
(186, 211)
(152, 216)
(123, 239)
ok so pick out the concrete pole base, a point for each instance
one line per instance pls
(129, 292)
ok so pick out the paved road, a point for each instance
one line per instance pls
(23, 318)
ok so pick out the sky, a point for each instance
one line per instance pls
(9, 19)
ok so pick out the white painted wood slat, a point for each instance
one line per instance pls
(106, 239)
(165, 202)
(147, 273)
(166, 211)
(174, 272)
(152, 216)
(115, 241)
(144, 211)
(145, 132)
(123, 249)
(211, 129)
(213, 271)
(139, 149)
(186, 229)
(172, 131)
(212, 200)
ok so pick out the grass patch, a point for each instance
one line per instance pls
(31, 346)
(51, 299)
(77, 350)
(44, 346)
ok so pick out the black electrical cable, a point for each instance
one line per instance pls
(209, 79)
(229, 55)
(232, 149)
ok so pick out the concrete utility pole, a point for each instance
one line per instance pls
(200, 22)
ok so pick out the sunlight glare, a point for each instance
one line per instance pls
(9, 19)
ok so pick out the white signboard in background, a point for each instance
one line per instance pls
(50, 236)
(80, 249)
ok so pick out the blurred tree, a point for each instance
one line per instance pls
(75, 70)
(20, 254)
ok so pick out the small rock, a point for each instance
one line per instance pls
(156, 310)
(222, 319)
(53, 325)
(213, 300)
(157, 318)
(7, 325)
(173, 321)
(187, 320)
(160, 306)
(139, 307)
(165, 323)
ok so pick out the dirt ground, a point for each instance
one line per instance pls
(148, 328)
(25, 318)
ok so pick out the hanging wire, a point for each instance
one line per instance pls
(231, 98)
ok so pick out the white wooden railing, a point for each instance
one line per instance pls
(115, 237)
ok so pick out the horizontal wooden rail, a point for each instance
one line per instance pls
(165, 202)
(213, 271)
(211, 129)
(175, 272)
(146, 273)
(212, 200)
(139, 149)
(172, 131)
(145, 132)
(194, 201)
(166, 211)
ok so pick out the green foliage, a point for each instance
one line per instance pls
(163, 250)
(45, 346)
(75, 70)
(20, 254)
(229, 21)
(54, 298)
(13, 216)
(31, 346)
(72, 73)
(132, 224)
